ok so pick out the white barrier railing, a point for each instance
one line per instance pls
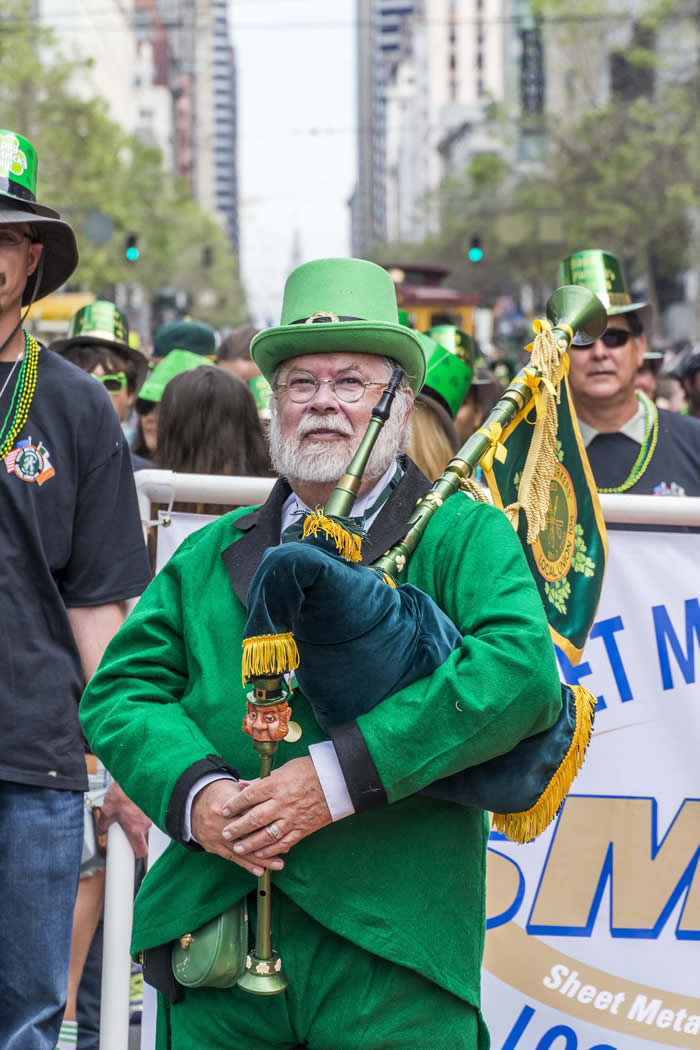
(162, 486)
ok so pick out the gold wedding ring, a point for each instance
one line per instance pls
(274, 831)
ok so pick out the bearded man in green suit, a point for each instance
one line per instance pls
(378, 886)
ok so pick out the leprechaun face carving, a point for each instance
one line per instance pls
(267, 723)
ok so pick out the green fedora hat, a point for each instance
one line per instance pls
(18, 204)
(176, 361)
(102, 324)
(602, 273)
(344, 306)
(194, 336)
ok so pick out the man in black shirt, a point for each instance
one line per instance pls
(632, 446)
(71, 553)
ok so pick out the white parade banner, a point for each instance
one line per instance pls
(593, 929)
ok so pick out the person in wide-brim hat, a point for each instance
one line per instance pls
(18, 204)
(340, 306)
(103, 324)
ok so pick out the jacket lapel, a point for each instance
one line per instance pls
(262, 528)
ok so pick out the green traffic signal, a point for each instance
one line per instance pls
(131, 247)
(475, 253)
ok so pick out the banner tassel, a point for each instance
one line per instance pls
(269, 654)
(523, 827)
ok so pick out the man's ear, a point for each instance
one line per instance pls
(35, 250)
(409, 407)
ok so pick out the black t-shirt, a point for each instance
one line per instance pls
(70, 536)
(675, 462)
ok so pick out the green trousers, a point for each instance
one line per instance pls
(340, 997)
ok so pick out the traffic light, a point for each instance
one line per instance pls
(207, 255)
(131, 247)
(475, 253)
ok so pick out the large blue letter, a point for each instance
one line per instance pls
(664, 630)
(605, 629)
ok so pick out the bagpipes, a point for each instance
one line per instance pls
(289, 626)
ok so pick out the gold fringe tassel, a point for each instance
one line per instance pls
(533, 490)
(523, 827)
(387, 579)
(346, 543)
(269, 654)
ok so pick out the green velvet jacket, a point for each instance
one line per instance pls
(404, 879)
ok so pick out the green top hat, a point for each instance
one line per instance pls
(344, 306)
(194, 336)
(103, 324)
(177, 361)
(450, 357)
(602, 273)
(18, 204)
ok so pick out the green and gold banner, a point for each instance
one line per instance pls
(568, 556)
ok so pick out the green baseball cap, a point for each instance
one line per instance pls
(102, 324)
(602, 273)
(177, 361)
(195, 336)
(18, 204)
(450, 365)
(340, 306)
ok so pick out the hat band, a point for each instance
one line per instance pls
(325, 317)
(16, 189)
(614, 298)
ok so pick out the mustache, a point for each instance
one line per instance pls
(310, 426)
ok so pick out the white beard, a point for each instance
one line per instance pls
(301, 458)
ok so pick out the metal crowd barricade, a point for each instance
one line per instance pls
(162, 486)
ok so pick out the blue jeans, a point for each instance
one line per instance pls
(41, 837)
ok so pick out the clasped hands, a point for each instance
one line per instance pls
(253, 823)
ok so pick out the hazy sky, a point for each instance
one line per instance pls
(296, 107)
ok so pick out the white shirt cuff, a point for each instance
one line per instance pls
(331, 777)
(208, 778)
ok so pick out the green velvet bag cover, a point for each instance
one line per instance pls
(214, 955)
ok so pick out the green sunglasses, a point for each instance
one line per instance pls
(113, 384)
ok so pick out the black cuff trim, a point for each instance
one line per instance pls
(175, 815)
(361, 776)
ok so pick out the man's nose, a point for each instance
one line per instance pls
(324, 399)
(599, 349)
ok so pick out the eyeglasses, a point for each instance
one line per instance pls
(12, 238)
(302, 387)
(113, 384)
(611, 337)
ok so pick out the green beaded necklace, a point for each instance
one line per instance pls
(651, 434)
(21, 396)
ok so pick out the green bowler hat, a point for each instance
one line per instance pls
(18, 204)
(102, 324)
(177, 361)
(195, 336)
(602, 273)
(340, 306)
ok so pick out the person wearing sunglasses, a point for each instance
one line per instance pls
(151, 393)
(98, 343)
(632, 445)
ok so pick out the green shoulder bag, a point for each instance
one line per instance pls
(214, 955)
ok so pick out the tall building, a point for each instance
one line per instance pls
(379, 26)
(205, 105)
(97, 30)
(427, 72)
